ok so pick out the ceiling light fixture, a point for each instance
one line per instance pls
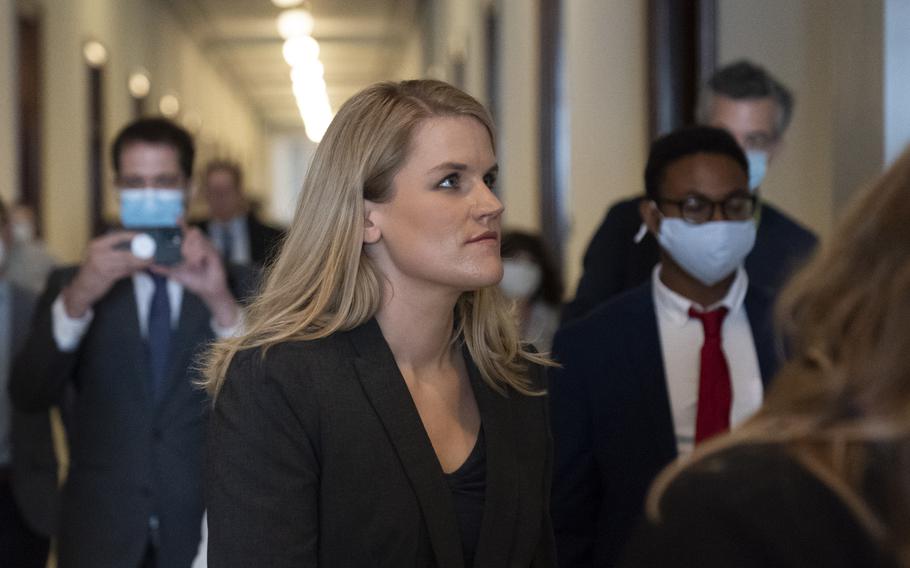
(95, 53)
(169, 105)
(300, 50)
(139, 84)
(287, 3)
(295, 23)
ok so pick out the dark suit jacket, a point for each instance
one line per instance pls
(614, 263)
(264, 239)
(317, 456)
(34, 467)
(612, 420)
(720, 513)
(130, 455)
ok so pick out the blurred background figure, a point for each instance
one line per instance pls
(237, 233)
(821, 475)
(28, 261)
(28, 466)
(531, 280)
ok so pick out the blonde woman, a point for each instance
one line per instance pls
(821, 475)
(380, 410)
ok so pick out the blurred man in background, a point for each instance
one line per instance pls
(238, 235)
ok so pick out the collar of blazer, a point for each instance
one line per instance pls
(385, 387)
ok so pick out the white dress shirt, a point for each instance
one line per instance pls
(68, 331)
(240, 239)
(681, 340)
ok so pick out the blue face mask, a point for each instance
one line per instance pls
(758, 167)
(710, 251)
(150, 208)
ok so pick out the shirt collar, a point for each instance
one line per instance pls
(676, 307)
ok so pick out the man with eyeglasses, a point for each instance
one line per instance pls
(666, 366)
(124, 328)
(756, 109)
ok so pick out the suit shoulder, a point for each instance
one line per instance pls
(787, 228)
(609, 316)
(296, 364)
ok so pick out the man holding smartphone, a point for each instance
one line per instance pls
(124, 328)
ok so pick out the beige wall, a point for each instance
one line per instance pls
(136, 33)
(9, 156)
(518, 145)
(792, 40)
(831, 54)
(606, 53)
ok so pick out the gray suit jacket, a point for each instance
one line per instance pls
(34, 467)
(132, 456)
(317, 457)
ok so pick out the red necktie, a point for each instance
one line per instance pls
(715, 393)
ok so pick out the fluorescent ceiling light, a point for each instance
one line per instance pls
(295, 23)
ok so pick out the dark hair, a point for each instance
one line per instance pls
(551, 287)
(745, 80)
(156, 131)
(685, 142)
(229, 166)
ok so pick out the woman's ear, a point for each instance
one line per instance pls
(650, 216)
(371, 232)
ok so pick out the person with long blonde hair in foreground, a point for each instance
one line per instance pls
(820, 476)
(380, 409)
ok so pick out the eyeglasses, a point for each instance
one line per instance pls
(697, 209)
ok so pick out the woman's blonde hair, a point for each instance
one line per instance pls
(841, 404)
(322, 281)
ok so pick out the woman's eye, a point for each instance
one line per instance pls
(490, 180)
(450, 181)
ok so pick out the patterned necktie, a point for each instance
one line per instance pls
(159, 333)
(715, 393)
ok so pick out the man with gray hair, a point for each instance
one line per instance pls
(756, 109)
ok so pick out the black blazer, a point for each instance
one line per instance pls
(317, 457)
(753, 506)
(614, 263)
(612, 420)
(34, 467)
(130, 455)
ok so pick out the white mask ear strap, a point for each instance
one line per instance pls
(640, 235)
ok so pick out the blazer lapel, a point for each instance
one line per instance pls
(501, 496)
(385, 387)
(647, 366)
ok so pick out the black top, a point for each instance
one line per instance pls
(754, 506)
(468, 484)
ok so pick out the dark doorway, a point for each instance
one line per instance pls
(30, 113)
(682, 55)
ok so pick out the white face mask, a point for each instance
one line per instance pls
(23, 231)
(710, 251)
(758, 167)
(520, 278)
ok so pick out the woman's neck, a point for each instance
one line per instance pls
(418, 328)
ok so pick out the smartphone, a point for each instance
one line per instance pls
(161, 244)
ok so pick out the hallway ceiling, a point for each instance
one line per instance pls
(361, 42)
